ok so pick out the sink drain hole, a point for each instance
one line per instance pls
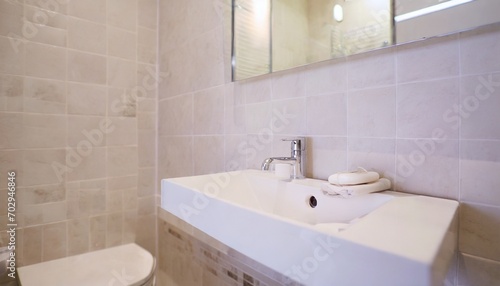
(313, 202)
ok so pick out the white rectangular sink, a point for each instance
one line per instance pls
(386, 238)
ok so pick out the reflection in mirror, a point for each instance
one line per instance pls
(274, 35)
(251, 38)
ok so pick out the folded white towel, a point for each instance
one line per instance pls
(360, 176)
(348, 191)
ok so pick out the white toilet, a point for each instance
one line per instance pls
(125, 265)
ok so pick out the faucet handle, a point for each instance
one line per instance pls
(297, 144)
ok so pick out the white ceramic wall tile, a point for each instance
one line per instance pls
(374, 154)
(258, 147)
(84, 129)
(38, 166)
(372, 112)
(326, 78)
(147, 14)
(479, 105)
(479, 233)
(253, 90)
(235, 152)
(325, 156)
(425, 109)
(480, 50)
(327, 114)
(209, 111)
(288, 116)
(124, 131)
(234, 111)
(121, 73)
(55, 241)
(419, 160)
(207, 52)
(85, 165)
(372, 69)
(478, 271)
(426, 60)
(479, 165)
(258, 118)
(288, 84)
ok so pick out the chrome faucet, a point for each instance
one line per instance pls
(297, 157)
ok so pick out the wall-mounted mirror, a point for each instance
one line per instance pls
(274, 35)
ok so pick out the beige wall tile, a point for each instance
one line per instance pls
(206, 52)
(147, 14)
(59, 6)
(209, 154)
(234, 111)
(121, 102)
(11, 93)
(124, 131)
(86, 163)
(147, 148)
(256, 149)
(93, 10)
(121, 73)
(44, 96)
(83, 99)
(147, 45)
(427, 60)
(45, 61)
(326, 114)
(114, 230)
(122, 14)
(44, 27)
(11, 14)
(234, 152)
(175, 156)
(425, 158)
(32, 245)
(11, 126)
(98, 230)
(83, 67)
(39, 166)
(12, 161)
(78, 236)
(175, 115)
(86, 36)
(88, 130)
(478, 234)
(209, 111)
(12, 56)
(55, 243)
(479, 105)
(122, 43)
(146, 121)
(44, 131)
(122, 161)
(54, 212)
(146, 182)
(43, 17)
(422, 108)
(44, 194)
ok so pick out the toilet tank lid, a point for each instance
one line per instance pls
(127, 264)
